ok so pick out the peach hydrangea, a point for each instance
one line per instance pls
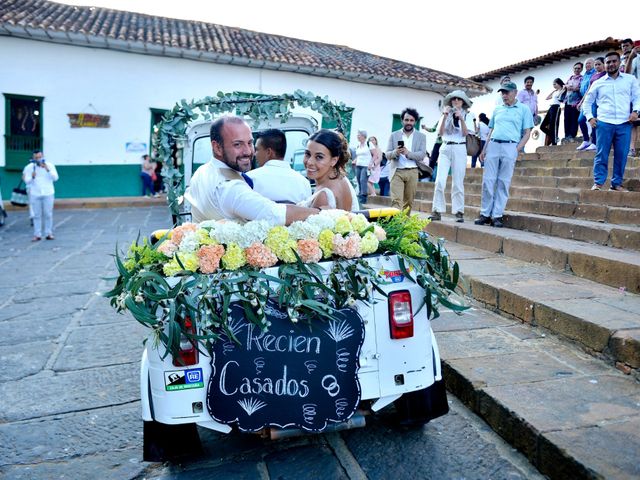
(260, 256)
(178, 232)
(210, 256)
(309, 250)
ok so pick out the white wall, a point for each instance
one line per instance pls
(544, 77)
(126, 85)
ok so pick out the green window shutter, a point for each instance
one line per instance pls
(346, 118)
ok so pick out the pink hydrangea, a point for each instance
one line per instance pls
(309, 250)
(347, 247)
(260, 256)
(210, 256)
(178, 232)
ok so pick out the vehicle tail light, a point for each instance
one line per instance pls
(188, 354)
(400, 314)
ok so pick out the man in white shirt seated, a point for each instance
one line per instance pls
(218, 189)
(275, 179)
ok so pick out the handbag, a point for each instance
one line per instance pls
(19, 196)
(424, 170)
(473, 145)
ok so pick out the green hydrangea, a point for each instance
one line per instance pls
(146, 256)
(369, 243)
(326, 242)
(277, 236)
(204, 238)
(234, 257)
(343, 225)
(359, 223)
(171, 268)
(285, 251)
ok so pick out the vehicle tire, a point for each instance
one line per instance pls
(419, 407)
(163, 442)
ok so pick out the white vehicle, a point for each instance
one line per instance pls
(396, 360)
(398, 363)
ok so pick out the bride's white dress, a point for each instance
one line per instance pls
(331, 198)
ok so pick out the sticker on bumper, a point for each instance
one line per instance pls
(183, 379)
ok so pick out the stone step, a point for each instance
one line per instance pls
(475, 176)
(566, 147)
(583, 211)
(572, 195)
(604, 321)
(570, 162)
(608, 266)
(571, 415)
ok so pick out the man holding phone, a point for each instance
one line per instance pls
(406, 147)
(39, 176)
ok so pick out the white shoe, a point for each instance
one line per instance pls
(590, 147)
(583, 145)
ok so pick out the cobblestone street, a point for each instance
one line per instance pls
(70, 390)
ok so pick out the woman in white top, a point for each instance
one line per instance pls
(551, 122)
(325, 159)
(453, 127)
(361, 163)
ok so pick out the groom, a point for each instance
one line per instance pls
(218, 189)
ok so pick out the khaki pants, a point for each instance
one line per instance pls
(403, 188)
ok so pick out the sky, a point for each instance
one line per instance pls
(471, 38)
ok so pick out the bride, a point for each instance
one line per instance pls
(325, 158)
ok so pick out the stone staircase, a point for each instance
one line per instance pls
(566, 267)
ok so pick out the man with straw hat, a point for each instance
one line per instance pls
(454, 126)
(510, 127)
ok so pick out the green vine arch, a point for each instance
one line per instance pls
(169, 137)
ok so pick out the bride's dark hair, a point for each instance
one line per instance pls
(337, 146)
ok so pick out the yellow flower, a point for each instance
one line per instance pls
(234, 257)
(343, 225)
(326, 242)
(369, 243)
(171, 268)
(204, 238)
(359, 223)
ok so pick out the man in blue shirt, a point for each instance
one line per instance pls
(510, 127)
(618, 98)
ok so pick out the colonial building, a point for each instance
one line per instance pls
(87, 84)
(545, 69)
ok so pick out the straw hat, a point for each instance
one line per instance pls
(458, 94)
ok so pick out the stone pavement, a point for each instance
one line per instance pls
(70, 391)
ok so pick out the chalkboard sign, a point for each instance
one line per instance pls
(293, 374)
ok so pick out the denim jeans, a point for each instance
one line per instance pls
(147, 183)
(619, 137)
(363, 188)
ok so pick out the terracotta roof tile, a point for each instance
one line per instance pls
(145, 31)
(557, 56)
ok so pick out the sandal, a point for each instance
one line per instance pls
(50, 237)
(36, 239)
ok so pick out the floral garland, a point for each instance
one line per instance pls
(196, 271)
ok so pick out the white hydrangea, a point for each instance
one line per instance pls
(208, 224)
(254, 231)
(333, 214)
(189, 242)
(227, 232)
(304, 230)
(323, 222)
